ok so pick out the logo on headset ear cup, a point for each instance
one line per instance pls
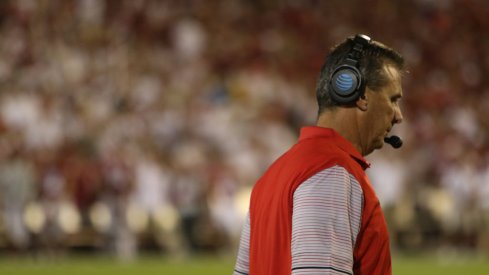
(345, 84)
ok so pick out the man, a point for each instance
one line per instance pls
(314, 210)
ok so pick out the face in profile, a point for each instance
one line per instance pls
(383, 110)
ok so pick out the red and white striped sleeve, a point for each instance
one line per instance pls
(325, 223)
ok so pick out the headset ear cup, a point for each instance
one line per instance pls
(345, 84)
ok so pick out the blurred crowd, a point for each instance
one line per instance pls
(142, 125)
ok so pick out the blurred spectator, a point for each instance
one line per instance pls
(17, 185)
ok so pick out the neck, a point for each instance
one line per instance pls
(343, 121)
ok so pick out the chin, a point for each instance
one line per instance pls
(379, 144)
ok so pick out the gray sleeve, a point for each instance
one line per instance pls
(325, 223)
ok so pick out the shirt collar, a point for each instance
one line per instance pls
(321, 132)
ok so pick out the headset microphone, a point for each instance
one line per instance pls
(394, 141)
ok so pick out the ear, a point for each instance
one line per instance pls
(362, 102)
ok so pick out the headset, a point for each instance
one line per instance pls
(346, 81)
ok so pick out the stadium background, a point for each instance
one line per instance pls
(132, 131)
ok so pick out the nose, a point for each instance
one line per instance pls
(397, 115)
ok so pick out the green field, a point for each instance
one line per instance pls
(441, 264)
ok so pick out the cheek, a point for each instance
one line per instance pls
(388, 111)
(382, 119)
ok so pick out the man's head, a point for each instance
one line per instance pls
(376, 108)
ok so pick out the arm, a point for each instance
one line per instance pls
(325, 223)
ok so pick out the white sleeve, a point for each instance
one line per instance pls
(242, 263)
(326, 220)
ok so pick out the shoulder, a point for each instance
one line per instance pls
(334, 180)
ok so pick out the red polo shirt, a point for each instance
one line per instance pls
(272, 203)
